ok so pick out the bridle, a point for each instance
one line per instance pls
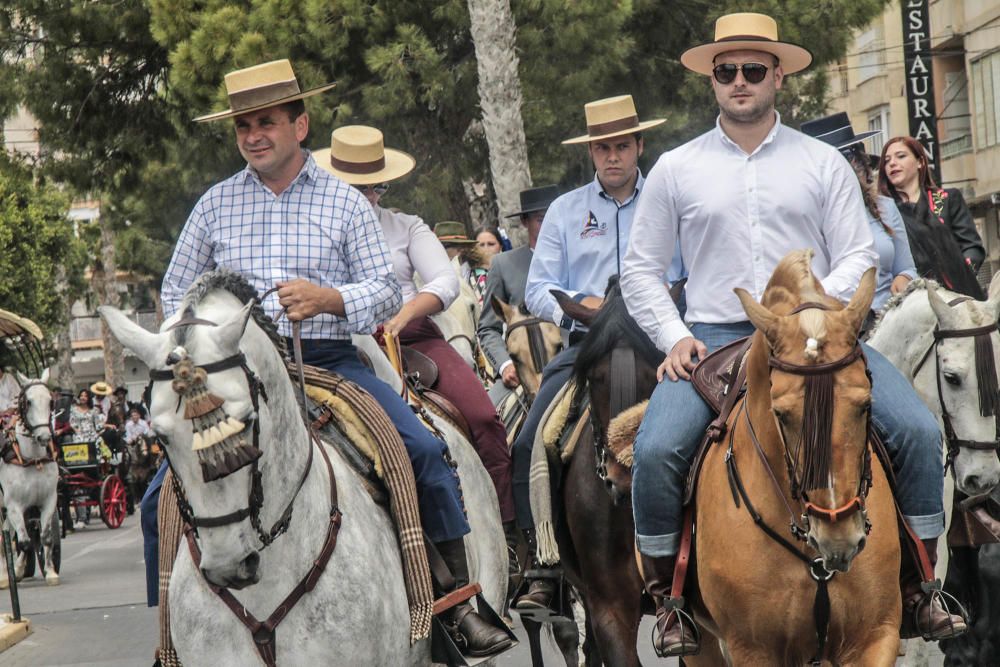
(25, 426)
(986, 375)
(255, 499)
(623, 394)
(536, 341)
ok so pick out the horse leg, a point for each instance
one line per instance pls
(4, 581)
(24, 551)
(615, 628)
(533, 630)
(882, 650)
(591, 651)
(49, 540)
(710, 655)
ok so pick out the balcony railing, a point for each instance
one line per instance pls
(88, 327)
(955, 147)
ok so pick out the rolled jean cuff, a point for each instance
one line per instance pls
(658, 546)
(928, 526)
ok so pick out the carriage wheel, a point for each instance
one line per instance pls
(112, 501)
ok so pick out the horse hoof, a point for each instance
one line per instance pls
(4, 584)
(52, 579)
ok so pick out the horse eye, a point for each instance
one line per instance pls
(952, 378)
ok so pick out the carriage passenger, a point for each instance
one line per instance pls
(283, 221)
(9, 391)
(136, 426)
(734, 201)
(415, 250)
(579, 248)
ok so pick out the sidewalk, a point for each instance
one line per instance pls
(11, 632)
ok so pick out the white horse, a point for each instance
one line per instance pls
(944, 374)
(458, 322)
(30, 485)
(357, 614)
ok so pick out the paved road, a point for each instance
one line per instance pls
(97, 616)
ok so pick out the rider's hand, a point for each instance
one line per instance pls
(396, 324)
(594, 302)
(899, 284)
(509, 376)
(679, 362)
(302, 299)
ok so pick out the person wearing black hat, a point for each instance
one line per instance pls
(506, 280)
(895, 261)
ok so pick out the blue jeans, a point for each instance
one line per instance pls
(151, 535)
(554, 376)
(438, 492)
(675, 423)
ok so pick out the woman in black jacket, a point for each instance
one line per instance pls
(943, 238)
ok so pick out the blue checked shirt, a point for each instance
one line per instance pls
(319, 229)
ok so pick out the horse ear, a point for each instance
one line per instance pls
(575, 311)
(231, 331)
(861, 302)
(145, 344)
(502, 310)
(946, 317)
(22, 379)
(762, 318)
(45, 376)
(994, 294)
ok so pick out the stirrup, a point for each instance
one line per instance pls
(444, 649)
(933, 592)
(686, 623)
(559, 608)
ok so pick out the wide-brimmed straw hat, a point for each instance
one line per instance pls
(358, 156)
(743, 32)
(612, 117)
(101, 388)
(452, 233)
(535, 199)
(260, 87)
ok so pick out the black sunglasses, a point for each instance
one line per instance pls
(752, 72)
(379, 189)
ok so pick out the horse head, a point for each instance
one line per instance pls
(223, 432)
(967, 346)
(810, 395)
(531, 342)
(617, 362)
(34, 415)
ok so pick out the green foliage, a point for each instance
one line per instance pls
(36, 237)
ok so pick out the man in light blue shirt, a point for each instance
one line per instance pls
(583, 238)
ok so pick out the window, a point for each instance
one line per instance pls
(870, 49)
(878, 119)
(986, 86)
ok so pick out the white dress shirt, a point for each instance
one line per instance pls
(9, 392)
(735, 216)
(416, 251)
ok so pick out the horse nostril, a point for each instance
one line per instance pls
(251, 562)
(861, 544)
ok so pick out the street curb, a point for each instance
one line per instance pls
(11, 632)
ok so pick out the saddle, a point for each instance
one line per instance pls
(975, 521)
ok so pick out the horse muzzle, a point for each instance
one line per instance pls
(245, 573)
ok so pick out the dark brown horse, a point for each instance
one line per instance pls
(617, 367)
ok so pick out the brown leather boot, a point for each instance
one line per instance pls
(924, 611)
(473, 636)
(673, 636)
(540, 591)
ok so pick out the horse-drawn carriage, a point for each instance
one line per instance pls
(89, 478)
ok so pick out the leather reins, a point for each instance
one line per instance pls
(988, 404)
(536, 341)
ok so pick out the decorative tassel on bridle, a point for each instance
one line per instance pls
(817, 427)
(218, 438)
(986, 375)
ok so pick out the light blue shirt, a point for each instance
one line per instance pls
(894, 256)
(319, 229)
(584, 236)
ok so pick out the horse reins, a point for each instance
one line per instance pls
(536, 340)
(986, 376)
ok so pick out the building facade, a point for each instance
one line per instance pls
(871, 84)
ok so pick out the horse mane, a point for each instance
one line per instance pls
(896, 300)
(237, 285)
(611, 327)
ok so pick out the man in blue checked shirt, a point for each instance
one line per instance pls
(283, 221)
(584, 236)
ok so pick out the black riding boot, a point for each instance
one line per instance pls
(673, 637)
(925, 613)
(540, 591)
(473, 636)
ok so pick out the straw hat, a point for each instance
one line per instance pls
(260, 87)
(101, 388)
(740, 32)
(452, 233)
(612, 117)
(358, 156)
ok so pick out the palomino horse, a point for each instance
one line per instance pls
(796, 453)
(29, 476)
(531, 342)
(930, 335)
(617, 364)
(260, 535)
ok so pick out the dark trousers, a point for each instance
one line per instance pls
(554, 376)
(151, 535)
(458, 383)
(438, 494)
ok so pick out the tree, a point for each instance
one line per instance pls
(492, 27)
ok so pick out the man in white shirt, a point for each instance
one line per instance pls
(735, 201)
